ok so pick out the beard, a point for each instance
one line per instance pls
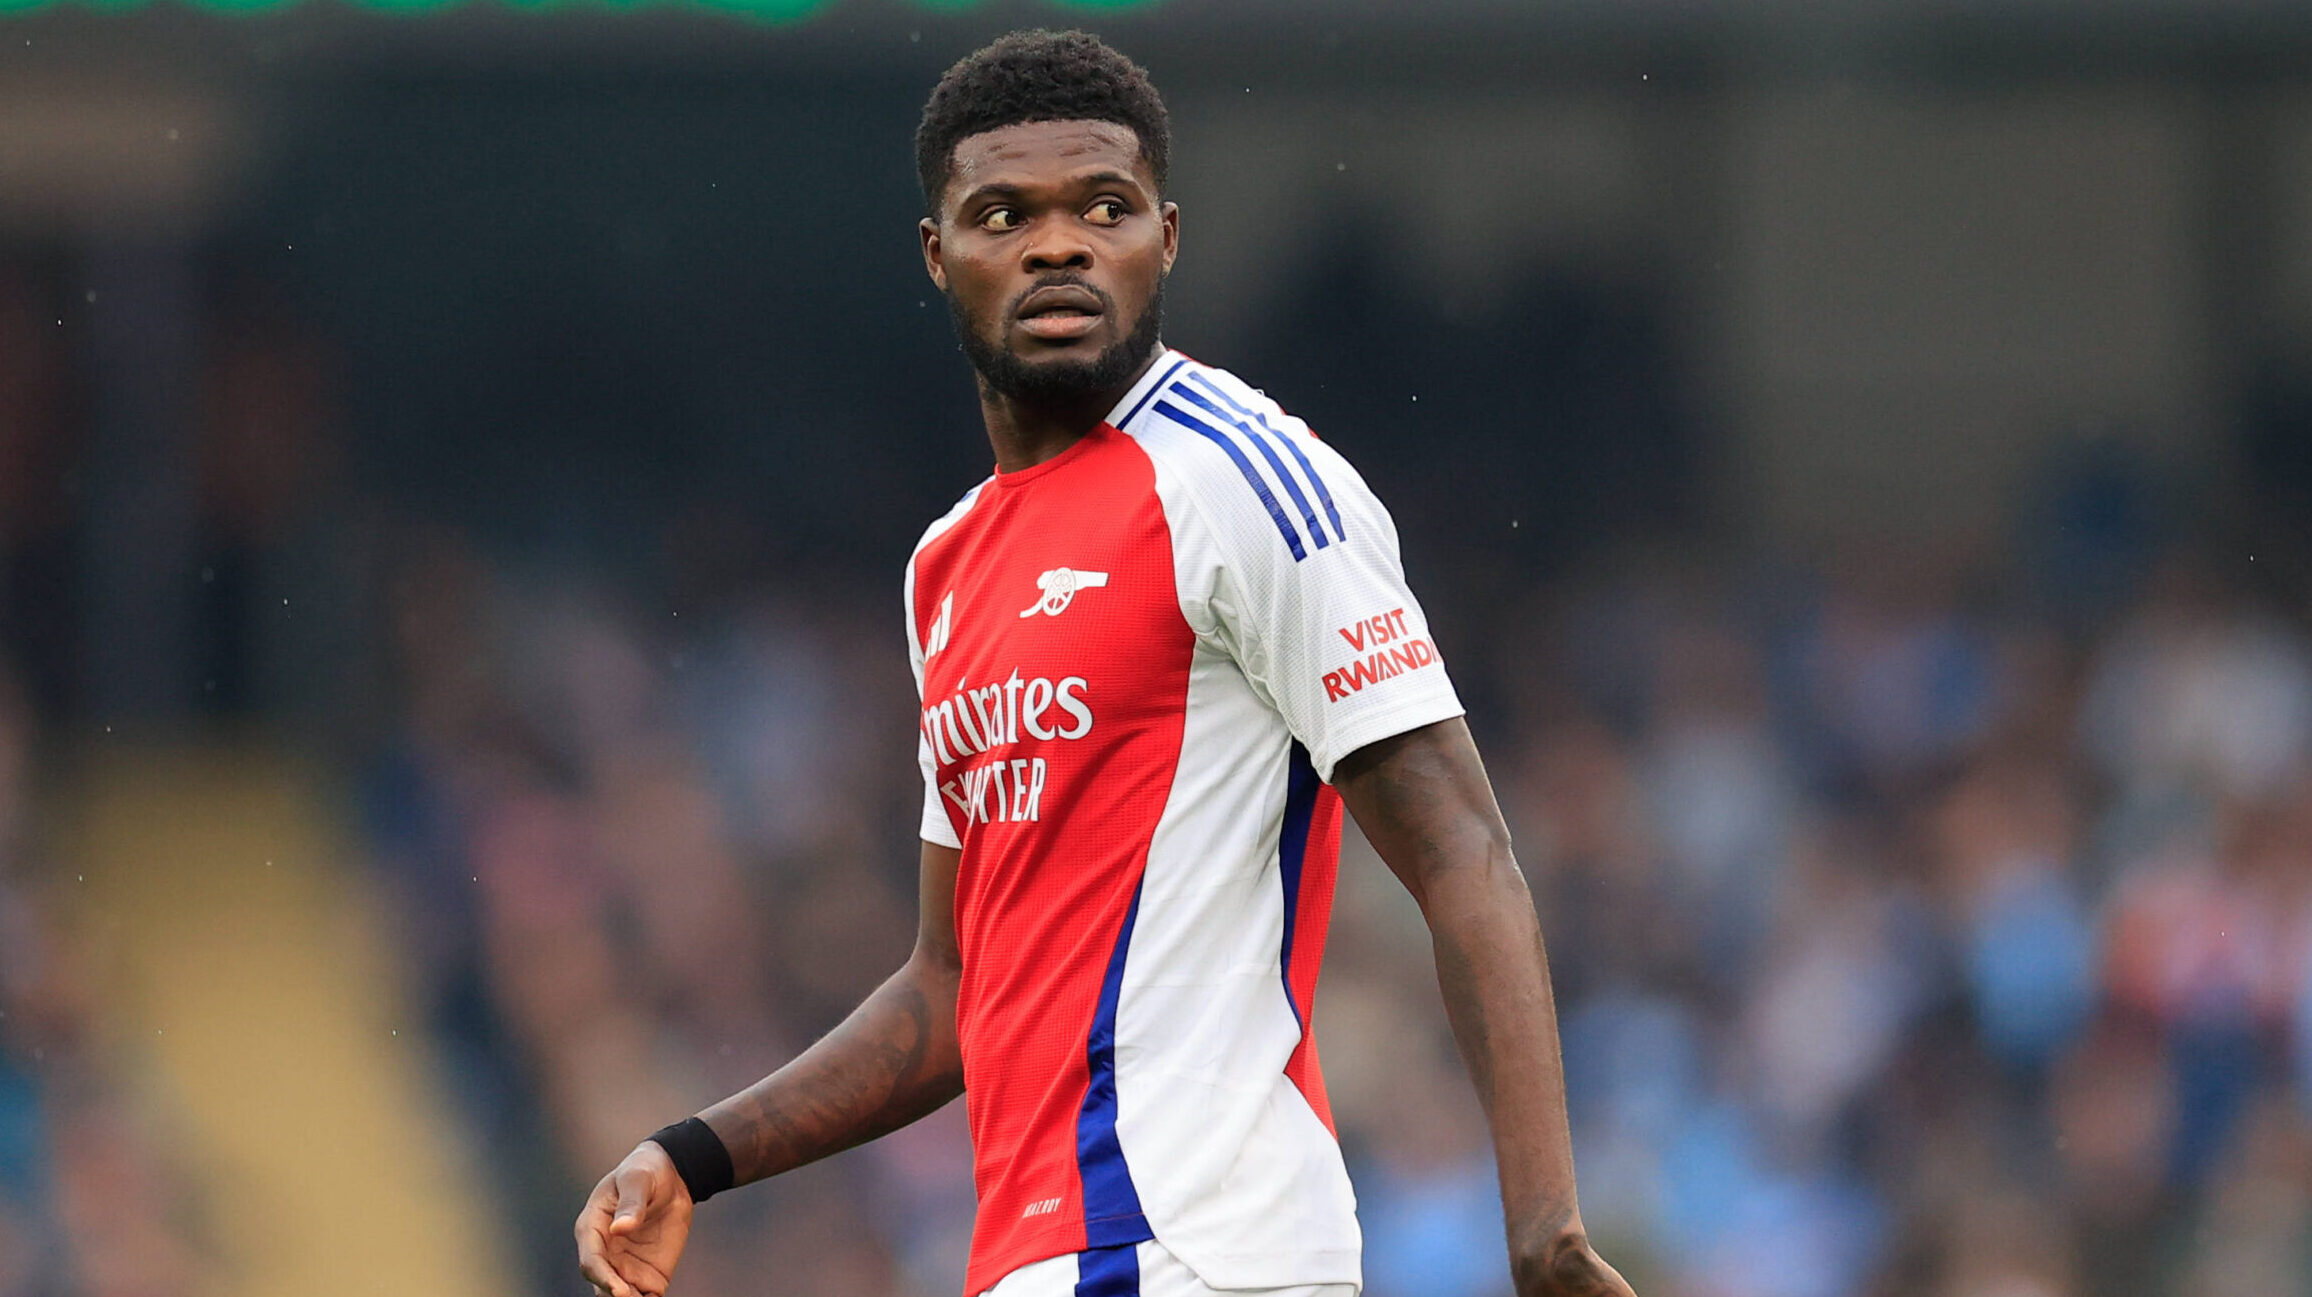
(1059, 381)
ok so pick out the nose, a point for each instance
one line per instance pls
(1056, 245)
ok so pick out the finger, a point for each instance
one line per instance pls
(649, 1280)
(589, 1234)
(595, 1265)
(594, 1217)
(592, 1229)
(605, 1280)
(593, 1242)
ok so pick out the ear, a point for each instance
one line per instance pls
(933, 265)
(1171, 220)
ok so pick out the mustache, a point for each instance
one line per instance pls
(1060, 279)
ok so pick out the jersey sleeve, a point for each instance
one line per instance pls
(1311, 599)
(936, 827)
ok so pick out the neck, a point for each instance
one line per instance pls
(1027, 432)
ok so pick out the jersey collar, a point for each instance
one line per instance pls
(1167, 363)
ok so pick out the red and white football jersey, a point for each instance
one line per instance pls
(1139, 662)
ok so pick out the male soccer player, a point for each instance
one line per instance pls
(1157, 651)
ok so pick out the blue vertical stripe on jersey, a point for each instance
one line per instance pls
(1150, 394)
(1284, 527)
(1112, 1213)
(1108, 1271)
(1324, 496)
(1283, 474)
(1300, 804)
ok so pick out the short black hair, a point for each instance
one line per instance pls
(1038, 76)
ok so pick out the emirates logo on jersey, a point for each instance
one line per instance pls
(1059, 587)
(975, 722)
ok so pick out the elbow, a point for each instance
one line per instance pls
(1490, 856)
(935, 972)
(936, 967)
(1481, 877)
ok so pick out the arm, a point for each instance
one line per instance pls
(1423, 801)
(894, 1060)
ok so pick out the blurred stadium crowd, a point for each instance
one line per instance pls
(1921, 925)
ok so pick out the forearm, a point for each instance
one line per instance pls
(893, 1061)
(1494, 975)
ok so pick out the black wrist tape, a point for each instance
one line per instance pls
(698, 1155)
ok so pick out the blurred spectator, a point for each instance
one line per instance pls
(90, 1201)
(2254, 1234)
(2200, 692)
(2006, 841)
(1899, 676)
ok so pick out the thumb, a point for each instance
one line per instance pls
(632, 1198)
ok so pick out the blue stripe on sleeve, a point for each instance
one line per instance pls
(1300, 804)
(1284, 527)
(1112, 1212)
(1283, 474)
(1323, 496)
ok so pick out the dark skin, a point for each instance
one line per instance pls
(1069, 210)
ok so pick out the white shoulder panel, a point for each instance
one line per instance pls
(1290, 563)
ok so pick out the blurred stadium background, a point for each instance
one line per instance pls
(455, 463)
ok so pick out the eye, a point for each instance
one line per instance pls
(1108, 211)
(999, 220)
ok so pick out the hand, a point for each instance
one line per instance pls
(1570, 1268)
(633, 1226)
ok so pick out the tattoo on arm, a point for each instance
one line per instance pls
(892, 1062)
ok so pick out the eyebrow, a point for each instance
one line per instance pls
(1004, 189)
